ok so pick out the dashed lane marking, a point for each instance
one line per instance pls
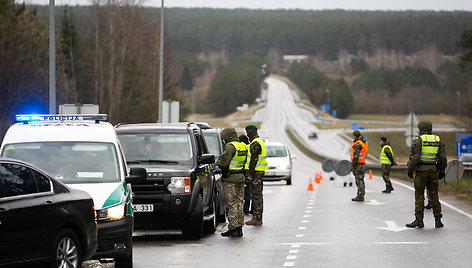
(288, 264)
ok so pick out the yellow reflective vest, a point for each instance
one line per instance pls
(239, 159)
(429, 149)
(262, 160)
(383, 156)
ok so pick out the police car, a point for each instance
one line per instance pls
(84, 153)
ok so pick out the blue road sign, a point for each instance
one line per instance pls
(463, 144)
(354, 126)
(333, 113)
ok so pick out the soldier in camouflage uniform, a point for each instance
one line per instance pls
(256, 165)
(428, 159)
(232, 162)
(358, 158)
(387, 160)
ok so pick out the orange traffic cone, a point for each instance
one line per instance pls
(317, 178)
(310, 186)
(370, 174)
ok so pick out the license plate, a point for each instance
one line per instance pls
(143, 208)
(270, 173)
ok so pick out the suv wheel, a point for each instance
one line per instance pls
(124, 261)
(193, 225)
(210, 225)
(67, 250)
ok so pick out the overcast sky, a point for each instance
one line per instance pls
(298, 4)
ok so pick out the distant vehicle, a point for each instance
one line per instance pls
(180, 191)
(43, 220)
(279, 162)
(466, 158)
(313, 135)
(84, 153)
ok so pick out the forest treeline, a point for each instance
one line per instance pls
(107, 54)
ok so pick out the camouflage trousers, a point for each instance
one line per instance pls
(234, 197)
(386, 175)
(256, 186)
(359, 173)
(428, 180)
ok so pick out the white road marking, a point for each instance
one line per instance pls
(401, 243)
(301, 228)
(468, 215)
(295, 246)
(288, 264)
(293, 251)
(304, 221)
(309, 207)
(299, 235)
(308, 211)
(392, 226)
(306, 216)
(374, 203)
(291, 257)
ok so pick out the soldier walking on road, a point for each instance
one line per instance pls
(387, 160)
(232, 162)
(256, 164)
(358, 157)
(428, 159)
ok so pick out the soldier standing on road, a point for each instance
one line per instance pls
(387, 160)
(358, 157)
(255, 166)
(428, 159)
(232, 162)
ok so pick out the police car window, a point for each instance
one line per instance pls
(70, 162)
(17, 180)
(165, 149)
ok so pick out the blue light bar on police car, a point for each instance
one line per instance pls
(59, 117)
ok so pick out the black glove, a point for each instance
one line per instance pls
(441, 175)
(410, 174)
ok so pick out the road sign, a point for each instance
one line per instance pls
(354, 126)
(454, 170)
(328, 165)
(463, 144)
(409, 140)
(342, 167)
(333, 113)
(411, 119)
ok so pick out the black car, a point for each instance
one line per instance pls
(313, 135)
(180, 191)
(42, 220)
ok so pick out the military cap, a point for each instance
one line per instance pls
(251, 127)
(356, 133)
(383, 139)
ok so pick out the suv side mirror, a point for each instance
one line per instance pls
(206, 159)
(136, 175)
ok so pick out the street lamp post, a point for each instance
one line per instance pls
(458, 107)
(161, 63)
(52, 59)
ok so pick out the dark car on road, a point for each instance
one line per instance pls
(180, 191)
(43, 220)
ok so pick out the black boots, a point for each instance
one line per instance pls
(438, 223)
(236, 232)
(415, 223)
(388, 190)
(358, 199)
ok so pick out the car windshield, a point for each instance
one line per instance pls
(70, 162)
(276, 151)
(166, 149)
(213, 144)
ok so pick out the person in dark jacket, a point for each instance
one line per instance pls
(428, 159)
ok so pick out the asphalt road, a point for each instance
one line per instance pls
(320, 228)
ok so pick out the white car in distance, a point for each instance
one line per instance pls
(279, 162)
